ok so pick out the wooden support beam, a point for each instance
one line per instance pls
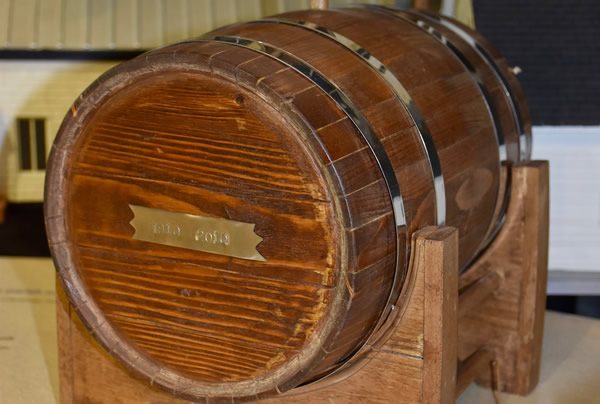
(476, 293)
(439, 260)
(511, 320)
(472, 368)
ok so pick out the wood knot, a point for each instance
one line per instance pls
(188, 292)
(239, 99)
(473, 189)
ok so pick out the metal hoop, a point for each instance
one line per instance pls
(416, 20)
(524, 144)
(401, 94)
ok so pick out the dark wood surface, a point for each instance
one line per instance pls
(217, 130)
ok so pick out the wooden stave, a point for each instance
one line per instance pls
(341, 21)
(517, 96)
(492, 88)
(498, 99)
(422, 219)
(507, 92)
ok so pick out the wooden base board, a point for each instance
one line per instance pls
(501, 308)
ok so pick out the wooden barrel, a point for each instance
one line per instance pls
(231, 215)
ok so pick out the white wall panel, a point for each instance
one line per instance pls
(125, 24)
(200, 16)
(4, 22)
(150, 23)
(224, 12)
(248, 10)
(100, 17)
(50, 32)
(36, 89)
(574, 154)
(176, 20)
(23, 23)
(291, 5)
(270, 7)
(74, 20)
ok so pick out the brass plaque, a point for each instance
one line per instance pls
(208, 234)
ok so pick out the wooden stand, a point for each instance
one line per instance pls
(484, 326)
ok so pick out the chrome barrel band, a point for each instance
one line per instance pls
(363, 126)
(524, 144)
(401, 94)
(416, 20)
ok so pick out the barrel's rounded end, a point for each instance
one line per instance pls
(198, 232)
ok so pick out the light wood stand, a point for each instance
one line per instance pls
(485, 325)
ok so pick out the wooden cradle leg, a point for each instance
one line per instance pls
(510, 322)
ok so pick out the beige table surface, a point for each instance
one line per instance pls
(28, 356)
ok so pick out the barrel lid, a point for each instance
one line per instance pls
(195, 229)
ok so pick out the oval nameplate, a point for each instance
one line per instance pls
(201, 233)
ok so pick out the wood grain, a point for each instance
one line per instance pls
(387, 373)
(510, 322)
(422, 58)
(479, 363)
(440, 315)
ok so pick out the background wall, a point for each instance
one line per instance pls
(555, 43)
(50, 50)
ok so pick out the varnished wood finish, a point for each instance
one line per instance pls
(497, 86)
(516, 91)
(488, 72)
(421, 351)
(478, 292)
(435, 79)
(440, 303)
(234, 319)
(479, 363)
(214, 129)
(391, 372)
(511, 321)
